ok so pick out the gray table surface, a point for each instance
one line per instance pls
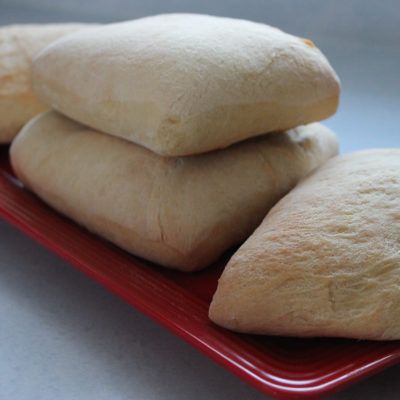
(63, 336)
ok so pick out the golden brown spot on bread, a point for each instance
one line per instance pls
(174, 119)
(308, 42)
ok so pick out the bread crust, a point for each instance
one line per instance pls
(19, 44)
(326, 259)
(182, 84)
(179, 212)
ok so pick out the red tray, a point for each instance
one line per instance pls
(281, 367)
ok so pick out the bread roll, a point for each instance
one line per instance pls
(182, 84)
(180, 212)
(19, 44)
(326, 259)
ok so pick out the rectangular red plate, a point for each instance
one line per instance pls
(281, 367)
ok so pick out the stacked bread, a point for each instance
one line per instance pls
(172, 136)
